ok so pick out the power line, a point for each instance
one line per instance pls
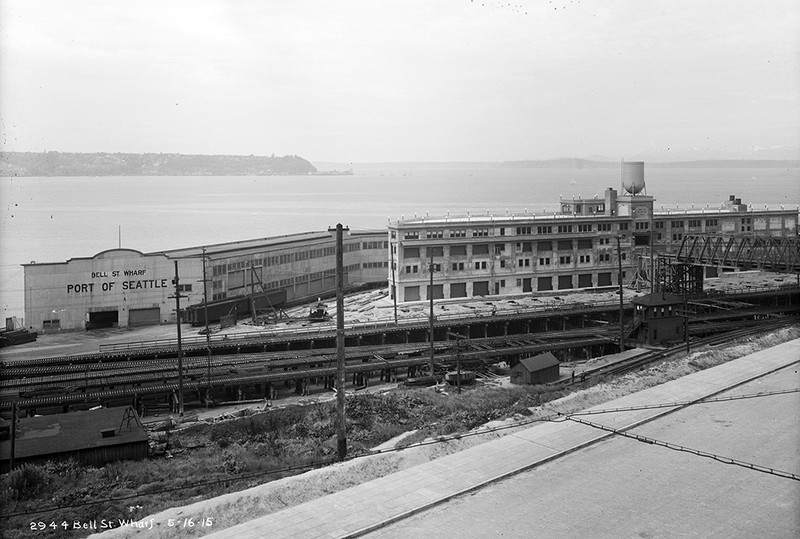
(698, 452)
(555, 417)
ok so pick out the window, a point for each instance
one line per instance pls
(564, 229)
(458, 250)
(458, 233)
(480, 249)
(658, 224)
(544, 245)
(523, 230)
(694, 223)
(544, 261)
(502, 263)
(184, 288)
(458, 266)
(544, 229)
(436, 267)
(676, 224)
(584, 228)
(584, 259)
(623, 226)
(564, 259)
(499, 248)
(412, 268)
(642, 225)
(502, 231)
(523, 262)
(604, 227)
(711, 222)
(585, 243)
(434, 251)
(604, 279)
(480, 232)
(433, 234)
(410, 252)
(414, 235)
(480, 265)
(585, 280)
(564, 245)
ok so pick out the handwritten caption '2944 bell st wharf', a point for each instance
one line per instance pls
(113, 285)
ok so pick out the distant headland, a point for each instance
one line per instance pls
(149, 164)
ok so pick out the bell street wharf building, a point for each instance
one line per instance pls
(128, 288)
(579, 248)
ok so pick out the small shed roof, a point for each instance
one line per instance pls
(537, 363)
(657, 299)
(74, 431)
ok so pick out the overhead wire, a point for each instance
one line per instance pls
(698, 452)
(555, 417)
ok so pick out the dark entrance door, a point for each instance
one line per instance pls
(526, 285)
(103, 319)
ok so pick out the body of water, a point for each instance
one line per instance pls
(53, 219)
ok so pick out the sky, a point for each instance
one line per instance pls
(367, 81)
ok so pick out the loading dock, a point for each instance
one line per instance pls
(102, 319)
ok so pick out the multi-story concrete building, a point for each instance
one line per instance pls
(582, 247)
(125, 287)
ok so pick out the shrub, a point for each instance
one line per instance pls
(25, 482)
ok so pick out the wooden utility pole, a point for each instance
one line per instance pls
(621, 305)
(394, 282)
(176, 282)
(430, 297)
(14, 433)
(341, 435)
(208, 332)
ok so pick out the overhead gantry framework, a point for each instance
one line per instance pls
(745, 252)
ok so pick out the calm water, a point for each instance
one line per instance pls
(53, 219)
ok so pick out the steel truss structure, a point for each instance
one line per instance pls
(769, 253)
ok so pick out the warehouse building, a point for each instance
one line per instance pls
(128, 288)
(590, 243)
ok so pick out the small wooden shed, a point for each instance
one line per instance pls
(539, 369)
(92, 437)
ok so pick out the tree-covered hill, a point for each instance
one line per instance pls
(148, 164)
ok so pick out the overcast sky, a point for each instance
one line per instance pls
(385, 80)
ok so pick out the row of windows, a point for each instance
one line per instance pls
(569, 228)
(500, 248)
(482, 288)
(288, 258)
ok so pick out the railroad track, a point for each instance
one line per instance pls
(69, 383)
(643, 360)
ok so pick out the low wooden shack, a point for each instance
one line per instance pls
(539, 369)
(92, 437)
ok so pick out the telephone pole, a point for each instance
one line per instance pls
(341, 435)
(208, 332)
(430, 298)
(177, 296)
(621, 305)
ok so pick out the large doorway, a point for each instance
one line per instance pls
(103, 319)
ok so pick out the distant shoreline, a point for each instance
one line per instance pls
(67, 164)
